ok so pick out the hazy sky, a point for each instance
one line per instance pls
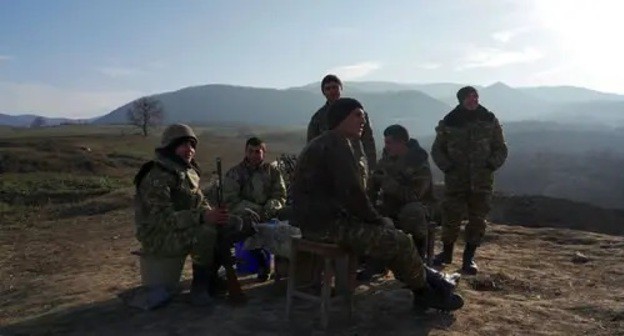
(85, 58)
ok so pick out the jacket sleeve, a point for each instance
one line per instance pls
(420, 181)
(231, 189)
(498, 147)
(277, 198)
(368, 142)
(313, 128)
(347, 184)
(439, 150)
(155, 193)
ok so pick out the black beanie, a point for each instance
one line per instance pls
(340, 110)
(464, 92)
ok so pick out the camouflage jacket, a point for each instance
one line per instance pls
(400, 180)
(318, 125)
(168, 199)
(468, 148)
(327, 186)
(261, 189)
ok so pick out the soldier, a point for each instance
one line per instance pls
(330, 204)
(469, 147)
(401, 184)
(172, 216)
(331, 87)
(255, 186)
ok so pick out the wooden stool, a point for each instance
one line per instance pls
(345, 274)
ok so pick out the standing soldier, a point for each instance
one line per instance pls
(331, 86)
(468, 148)
(256, 187)
(401, 184)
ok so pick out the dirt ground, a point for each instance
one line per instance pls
(63, 278)
(65, 257)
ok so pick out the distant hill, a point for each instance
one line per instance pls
(293, 107)
(25, 120)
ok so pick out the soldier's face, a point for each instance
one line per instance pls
(186, 151)
(394, 147)
(331, 91)
(471, 102)
(353, 125)
(255, 154)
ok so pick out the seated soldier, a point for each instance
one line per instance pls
(172, 216)
(401, 185)
(330, 205)
(257, 187)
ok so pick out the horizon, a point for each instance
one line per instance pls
(53, 116)
(80, 60)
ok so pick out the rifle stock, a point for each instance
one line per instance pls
(233, 285)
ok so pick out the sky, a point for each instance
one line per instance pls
(81, 59)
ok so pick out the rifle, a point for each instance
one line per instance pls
(224, 253)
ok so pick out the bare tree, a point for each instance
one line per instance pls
(144, 113)
(38, 122)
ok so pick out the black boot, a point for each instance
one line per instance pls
(199, 286)
(264, 264)
(444, 257)
(468, 265)
(437, 279)
(436, 298)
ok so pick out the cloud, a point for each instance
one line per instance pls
(429, 66)
(354, 71)
(494, 58)
(119, 72)
(505, 36)
(52, 101)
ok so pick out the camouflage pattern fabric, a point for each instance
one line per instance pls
(401, 188)
(169, 207)
(318, 124)
(330, 204)
(260, 189)
(469, 147)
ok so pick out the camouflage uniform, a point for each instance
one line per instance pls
(468, 148)
(318, 125)
(330, 204)
(401, 186)
(260, 189)
(169, 208)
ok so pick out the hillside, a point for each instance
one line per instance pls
(66, 256)
(214, 104)
(25, 120)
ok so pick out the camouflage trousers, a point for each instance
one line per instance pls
(384, 243)
(198, 241)
(458, 205)
(410, 217)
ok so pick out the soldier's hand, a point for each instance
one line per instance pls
(253, 216)
(218, 216)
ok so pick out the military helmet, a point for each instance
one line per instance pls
(175, 132)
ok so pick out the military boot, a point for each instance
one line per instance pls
(200, 295)
(436, 298)
(468, 265)
(438, 279)
(444, 257)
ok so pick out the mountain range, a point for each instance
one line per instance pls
(417, 106)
